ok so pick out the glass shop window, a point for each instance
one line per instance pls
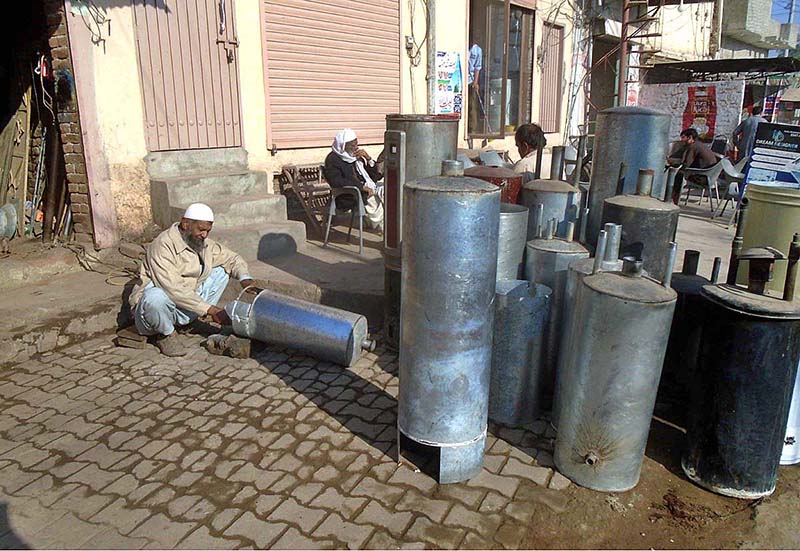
(499, 68)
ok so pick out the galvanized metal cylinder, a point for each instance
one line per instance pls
(521, 312)
(790, 454)
(620, 329)
(320, 331)
(648, 227)
(741, 391)
(449, 269)
(511, 241)
(430, 139)
(559, 200)
(636, 136)
(546, 263)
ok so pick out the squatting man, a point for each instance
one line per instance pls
(182, 277)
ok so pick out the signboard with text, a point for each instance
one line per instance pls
(449, 83)
(776, 155)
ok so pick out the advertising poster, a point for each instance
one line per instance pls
(776, 156)
(449, 83)
(701, 110)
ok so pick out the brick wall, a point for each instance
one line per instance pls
(68, 124)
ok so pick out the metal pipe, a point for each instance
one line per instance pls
(570, 235)
(791, 269)
(736, 245)
(550, 229)
(539, 155)
(584, 221)
(54, 181)
(715, 270)
(539, 221)
(672, 172)
(691, 259)
(673, 254)
(623, 168)
(430, 70)
(452, 167)
(644, 183)
(511, 241)
(600, 253)
(622, 77)
(576, 176)
(614, 232)
(556, 162)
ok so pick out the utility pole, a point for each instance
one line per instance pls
(788, 51)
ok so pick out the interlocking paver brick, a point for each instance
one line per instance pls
(534, 473)
(67, 532)
(441, 536)
(203, 539)
(221, 520)
(12, 478)
(502, 484)
(559, 482)
(352, 535)
(434, 509)
(509, 535)
(111, 539)
(163, 531)
(377, 515)
(250, 527)
(291, 511)
(371, 488)
(333, 500)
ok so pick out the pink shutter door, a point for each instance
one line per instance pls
(552, 75)
(190, 81)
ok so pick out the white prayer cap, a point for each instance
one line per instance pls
(199, 211)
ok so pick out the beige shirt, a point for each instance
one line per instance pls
(526, 164)
(170, 264)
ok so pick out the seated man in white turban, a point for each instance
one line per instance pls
(347, 165)
(182, 277)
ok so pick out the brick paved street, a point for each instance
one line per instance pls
(102, 447)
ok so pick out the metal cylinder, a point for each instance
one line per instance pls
(450, 263)
(790, 454)
(557, 162)
(520, 317)
(507, 180)
(648, 227)
(741, 391)
(637, 136)
(578, 270)
(620, 330)
(546, 263)
(511, 241)
(320, 331)
(559, 200)
(415, 147)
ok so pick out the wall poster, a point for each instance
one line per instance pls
(449, 83)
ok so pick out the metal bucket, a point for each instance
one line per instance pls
(521, 311)
(511, 244)
(636, 136)
(449, 269)
(620, 323)
(320, 331)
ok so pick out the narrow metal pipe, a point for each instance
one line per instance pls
(673, 254)
(614, 232)
(368, 345)
(644, 183)
(576, 176)
(600, 252)
(570, 234)
(556, 162)
(672, 172)
(539, 214)
(430, 70)
(691, 259)
(550, 229)
(715, 270)
(791, 269)
(623, 168)
(736, 245)
(583, 222)
(539, 155)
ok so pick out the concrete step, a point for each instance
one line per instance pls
(195, 162)
(263, 241)
(234, 211)
(167, 192)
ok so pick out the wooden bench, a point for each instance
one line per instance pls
(306, 184)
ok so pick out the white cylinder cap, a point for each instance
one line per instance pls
(199, 211)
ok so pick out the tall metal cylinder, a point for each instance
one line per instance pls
(790, 454)
(521, 311)
(621, 325)
(578, 270)
(546, 263)
(648, 227)
(320, 331)
(511, 241)
(742, 389)
(449, 269)
(636, 136)
(560, 200)
(415, 146)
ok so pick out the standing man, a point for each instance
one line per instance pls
(474, 67)
(182, 277)
(744, 135)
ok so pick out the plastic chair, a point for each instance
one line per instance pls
(711, 176)
(354, 192)
(719, 145)
(733, 176)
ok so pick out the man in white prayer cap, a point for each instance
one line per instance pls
(182, 277)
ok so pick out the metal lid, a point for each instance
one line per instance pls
(481, 171)
(688, 284)
(510, 209)
(553, 186)
(642, 203)
(739, 299)
(452, 167)
(635, 288)
(457, 184)
(634, 110)
(557, 245)
(423, 118)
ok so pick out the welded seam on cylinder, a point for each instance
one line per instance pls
(442, 444)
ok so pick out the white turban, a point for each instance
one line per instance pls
(342, 137)
(200, 212)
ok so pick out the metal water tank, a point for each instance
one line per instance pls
(449, 268)
(610, 383)
(742, 389)
(511, 241)
(507, 180)
(320, 331)
(790, 454)
(521, 311)
(546, 263)
(648, 225)
(636, 136)
(414, 148)
(559, 199)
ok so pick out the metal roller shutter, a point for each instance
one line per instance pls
(552, 76)
(330, 64)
